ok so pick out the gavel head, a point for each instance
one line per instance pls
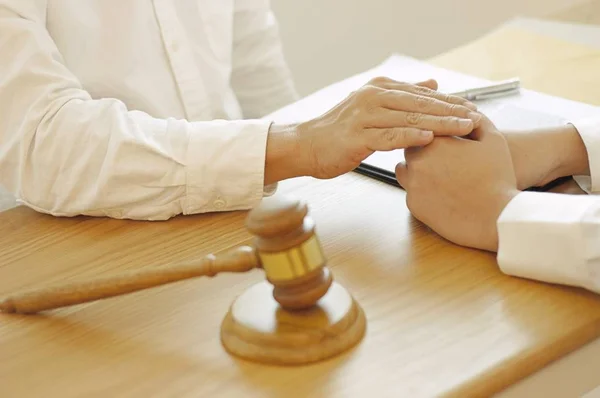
(289, 251)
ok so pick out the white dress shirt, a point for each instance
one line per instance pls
(555, 238)
(141, 109)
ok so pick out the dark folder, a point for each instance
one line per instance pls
(382, 168)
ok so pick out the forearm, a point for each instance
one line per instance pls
(570, 151)
(96, 158)
(543, 155)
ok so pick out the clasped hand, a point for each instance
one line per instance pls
(460, 186)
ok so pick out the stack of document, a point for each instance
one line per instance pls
(527, 109)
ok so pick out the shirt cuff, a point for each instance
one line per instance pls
(225, 166)
(541, 238)
(589, 130)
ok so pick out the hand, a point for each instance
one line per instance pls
(383, 115)
(541, 156)
(459, 186)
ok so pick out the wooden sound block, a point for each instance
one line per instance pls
(256, 328)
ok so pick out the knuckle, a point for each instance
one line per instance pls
(366, 91)
(423, 103)
(453, 110)
(379, 81)
(369, 99)
(407, 87)
(365, 97)
(425, 91)
(413, 118)
(390, 135)
(362, 91)
(455, 99)
(445, 97)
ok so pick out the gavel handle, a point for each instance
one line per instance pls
(241, 259)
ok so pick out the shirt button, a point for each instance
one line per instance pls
(219, 203)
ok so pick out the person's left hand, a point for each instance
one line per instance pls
(460, 186)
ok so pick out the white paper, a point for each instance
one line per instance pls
(528, 109)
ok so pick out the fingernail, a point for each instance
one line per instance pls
(465, 123)
(426, 134)
(471, 106)
(475, 117)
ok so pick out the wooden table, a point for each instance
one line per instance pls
(442, 320)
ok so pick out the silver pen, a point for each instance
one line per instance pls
(500, 89)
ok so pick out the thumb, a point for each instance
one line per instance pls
(431, 83)
(402, 174)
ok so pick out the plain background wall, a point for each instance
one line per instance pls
(327, 40)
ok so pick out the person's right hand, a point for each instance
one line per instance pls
(382, 115)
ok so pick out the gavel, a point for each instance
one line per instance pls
(298, 315)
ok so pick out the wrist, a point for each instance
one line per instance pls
(284, 154)
(573, 153)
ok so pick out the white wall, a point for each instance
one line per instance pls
(326, 40)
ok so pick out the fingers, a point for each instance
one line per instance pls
(430, 84)
(424, 90)
(395, 138)
(484, 130)
(403, 101)
(402, 174)
(439, 125)
(453, 99)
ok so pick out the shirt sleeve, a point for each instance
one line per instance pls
(552, 238)
(260, 77)
(589, 130)
(66, 154)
